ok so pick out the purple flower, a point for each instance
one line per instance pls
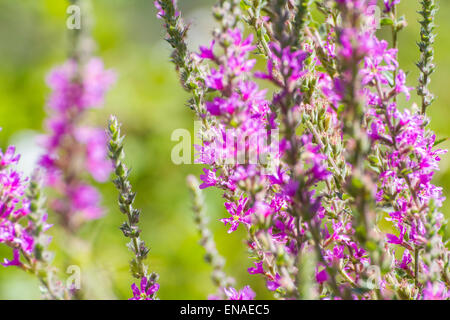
(238, 214)
(95, 140)
(86, 199)
(88, 93)
(245, 294)
(7, 231)
(400, 85)
(394, 239)
(312, 188)
(215, 79)
(321, 276)
(257, 269)
(388, 4)
(146, 290)
(15, 261)
(9, 158)
(290, 188)
(221, 106)
(207, 53)
(292, 63)
(274, 283)
(161, 13)
(380, 61)
(68, 145)
(18, 230)
(209, 178)
(406, 260)
(436, 291)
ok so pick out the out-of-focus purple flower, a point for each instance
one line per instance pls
(239, 214)
(95, 140)
(406, 260)
(207, 53)
(388, 4)
(17, 233)
(215, 79)
(72, 149)
(67, 92)
(274, 283)
(396, 239)
(400, 86)
(321, 276)
(161, 13)
(9, 157)
(86, 199)
(354, 44)
(288, 62)
(290, 188)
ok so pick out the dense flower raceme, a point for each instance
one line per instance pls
(73, 148)
(245, 294)
(307, 197)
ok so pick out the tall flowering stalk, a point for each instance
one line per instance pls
(345, 158)
(23, 226)
(148, 285)
(74, 150)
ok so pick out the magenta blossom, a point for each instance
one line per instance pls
(161, 13)
(207, 53)
(9, 157)
(15, 261)
(209, 178)
(274, 283)
(146, 290)
(436, 291)
(239, 214)
(245, 294)
(389, 4)
(321, 276)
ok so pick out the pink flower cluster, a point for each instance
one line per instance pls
(145, 291)
(16, 227)
(73, 148)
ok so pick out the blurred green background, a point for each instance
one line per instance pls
(149, 101)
